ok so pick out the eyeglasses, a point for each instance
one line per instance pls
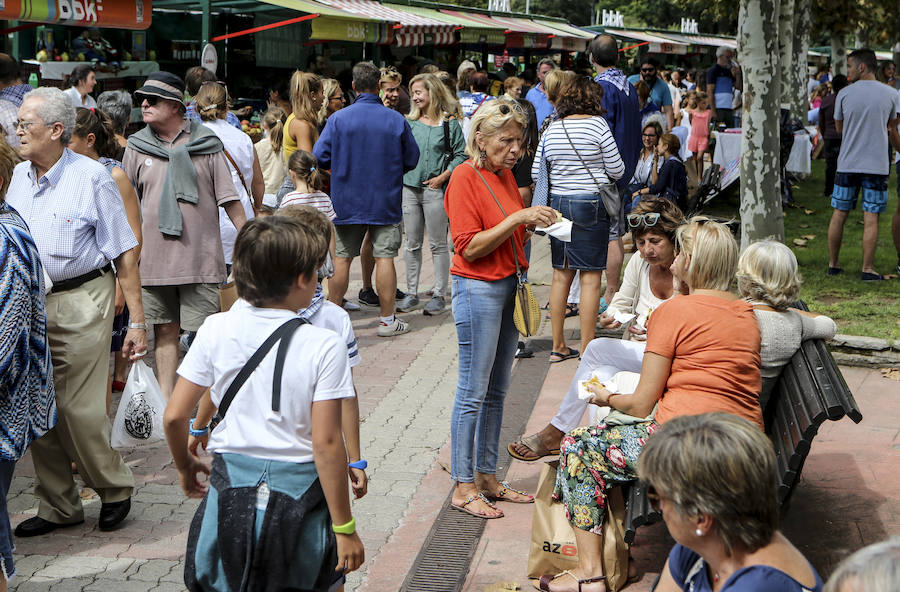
(648, 70)
(505, 109)
(151, 99)
(24, 125)
(653, 498)
(649, 135)
(648, 220)
(337, 98)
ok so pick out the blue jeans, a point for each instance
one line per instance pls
(6, 535)
(483, 312)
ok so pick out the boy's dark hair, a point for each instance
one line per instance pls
(866, 56)
(317, 222)
(839, 82)
(270, 254)
(9, 69)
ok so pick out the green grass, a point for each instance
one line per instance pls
(859, 308)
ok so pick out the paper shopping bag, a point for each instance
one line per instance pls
(615, 549)
(552, 538)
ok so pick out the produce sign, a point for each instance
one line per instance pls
(119, 14)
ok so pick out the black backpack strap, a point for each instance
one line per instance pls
(283, 334)
(448, 151)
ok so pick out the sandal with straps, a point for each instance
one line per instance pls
(544, 582)
(502, 495)
(477, 496)
(535, 445)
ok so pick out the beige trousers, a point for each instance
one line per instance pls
(79, 329)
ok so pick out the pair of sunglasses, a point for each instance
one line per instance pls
(648, 220)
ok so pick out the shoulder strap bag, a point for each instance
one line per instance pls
(608, 192)
(282, 334)
(527, 311)
(240, 174)
(448, 151)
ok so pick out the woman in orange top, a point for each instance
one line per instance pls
(489, 226)
(702, 356)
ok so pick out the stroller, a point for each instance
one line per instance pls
(709, 187)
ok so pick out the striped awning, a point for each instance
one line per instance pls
(313, 7)
(707, 40)
(410, 29)
(416, 39)
(566, 29)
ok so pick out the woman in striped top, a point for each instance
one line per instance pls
(581, 155)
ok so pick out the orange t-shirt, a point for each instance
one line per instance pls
(714, 347)
(471, 209)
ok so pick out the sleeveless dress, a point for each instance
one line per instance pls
(699, 138)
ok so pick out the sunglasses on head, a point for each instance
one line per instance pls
(648, 220)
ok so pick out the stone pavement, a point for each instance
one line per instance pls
(406, 385)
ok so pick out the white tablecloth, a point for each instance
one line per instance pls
(728, 148)
(59, 70)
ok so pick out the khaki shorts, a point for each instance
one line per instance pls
(348, 239)
(188, 304)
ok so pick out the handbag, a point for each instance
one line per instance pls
(608, 192)
(541, 195)
(527, 310)
(227, 294)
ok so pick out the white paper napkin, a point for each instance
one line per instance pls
(618, 315)
(560, 230)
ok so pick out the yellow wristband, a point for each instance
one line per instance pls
(348, 528)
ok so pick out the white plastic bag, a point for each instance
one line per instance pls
(139, 420)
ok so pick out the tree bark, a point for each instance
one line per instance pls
(838, 54)
(785, 23)
(761, 215)
(800, 72)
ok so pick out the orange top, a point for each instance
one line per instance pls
(471, 209)
(714, 347)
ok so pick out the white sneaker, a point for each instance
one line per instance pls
(398, 327)
(350, 306)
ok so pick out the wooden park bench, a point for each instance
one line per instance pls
(809, 391)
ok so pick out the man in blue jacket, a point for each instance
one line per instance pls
(368, 148)
(622, 113)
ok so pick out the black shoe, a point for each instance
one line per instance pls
(112, 514)
(368, 297)
(524, 351)
(834, 271)
(868, 276)
(400, 295)
(37, 526)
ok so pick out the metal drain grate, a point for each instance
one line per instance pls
(444, 560)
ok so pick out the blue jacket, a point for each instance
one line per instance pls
(368, 148)
(623, 114)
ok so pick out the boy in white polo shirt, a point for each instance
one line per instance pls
(279, 478)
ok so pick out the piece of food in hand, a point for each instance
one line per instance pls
(559, 216)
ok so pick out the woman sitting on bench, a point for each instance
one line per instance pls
(646, 285)
(702, 355)
(714, 478)
(768, 279)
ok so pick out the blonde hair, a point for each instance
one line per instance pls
(303, 86)
(767, 272)
(700, 96)
(212, 102)
(492, 117)
(720, 465)
(713, 254)
(440, 101)
(389, 74)
(329, 85)
(273, 120)
(512, 81)
(554, 82)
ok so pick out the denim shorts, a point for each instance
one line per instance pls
(846, 192)
(590, 233)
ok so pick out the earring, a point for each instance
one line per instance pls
(699, 532)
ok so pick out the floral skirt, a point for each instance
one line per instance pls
(591, 460)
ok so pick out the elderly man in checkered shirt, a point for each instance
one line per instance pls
(77, 218)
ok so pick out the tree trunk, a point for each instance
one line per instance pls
(838, 55)
(800, 71)
(761, 215)
(785, 23)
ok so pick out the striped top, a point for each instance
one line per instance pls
(596, 145)
(317, 199)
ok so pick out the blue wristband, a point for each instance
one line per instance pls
(197, 433)
(360, 464)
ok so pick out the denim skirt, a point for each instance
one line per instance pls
(590, 233)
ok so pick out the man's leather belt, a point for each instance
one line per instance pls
(72, 283)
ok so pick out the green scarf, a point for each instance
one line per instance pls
(180, 183)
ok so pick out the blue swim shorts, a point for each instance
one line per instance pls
(846, 192)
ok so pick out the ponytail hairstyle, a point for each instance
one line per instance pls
(303, 86)
(212, 101)
(329, 85)
(306, 167)
(273, 120)
(95, 121)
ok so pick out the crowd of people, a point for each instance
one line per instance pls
(106, 237)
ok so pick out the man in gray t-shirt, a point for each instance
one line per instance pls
(863, 114)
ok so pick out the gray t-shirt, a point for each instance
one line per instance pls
(865, 107)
